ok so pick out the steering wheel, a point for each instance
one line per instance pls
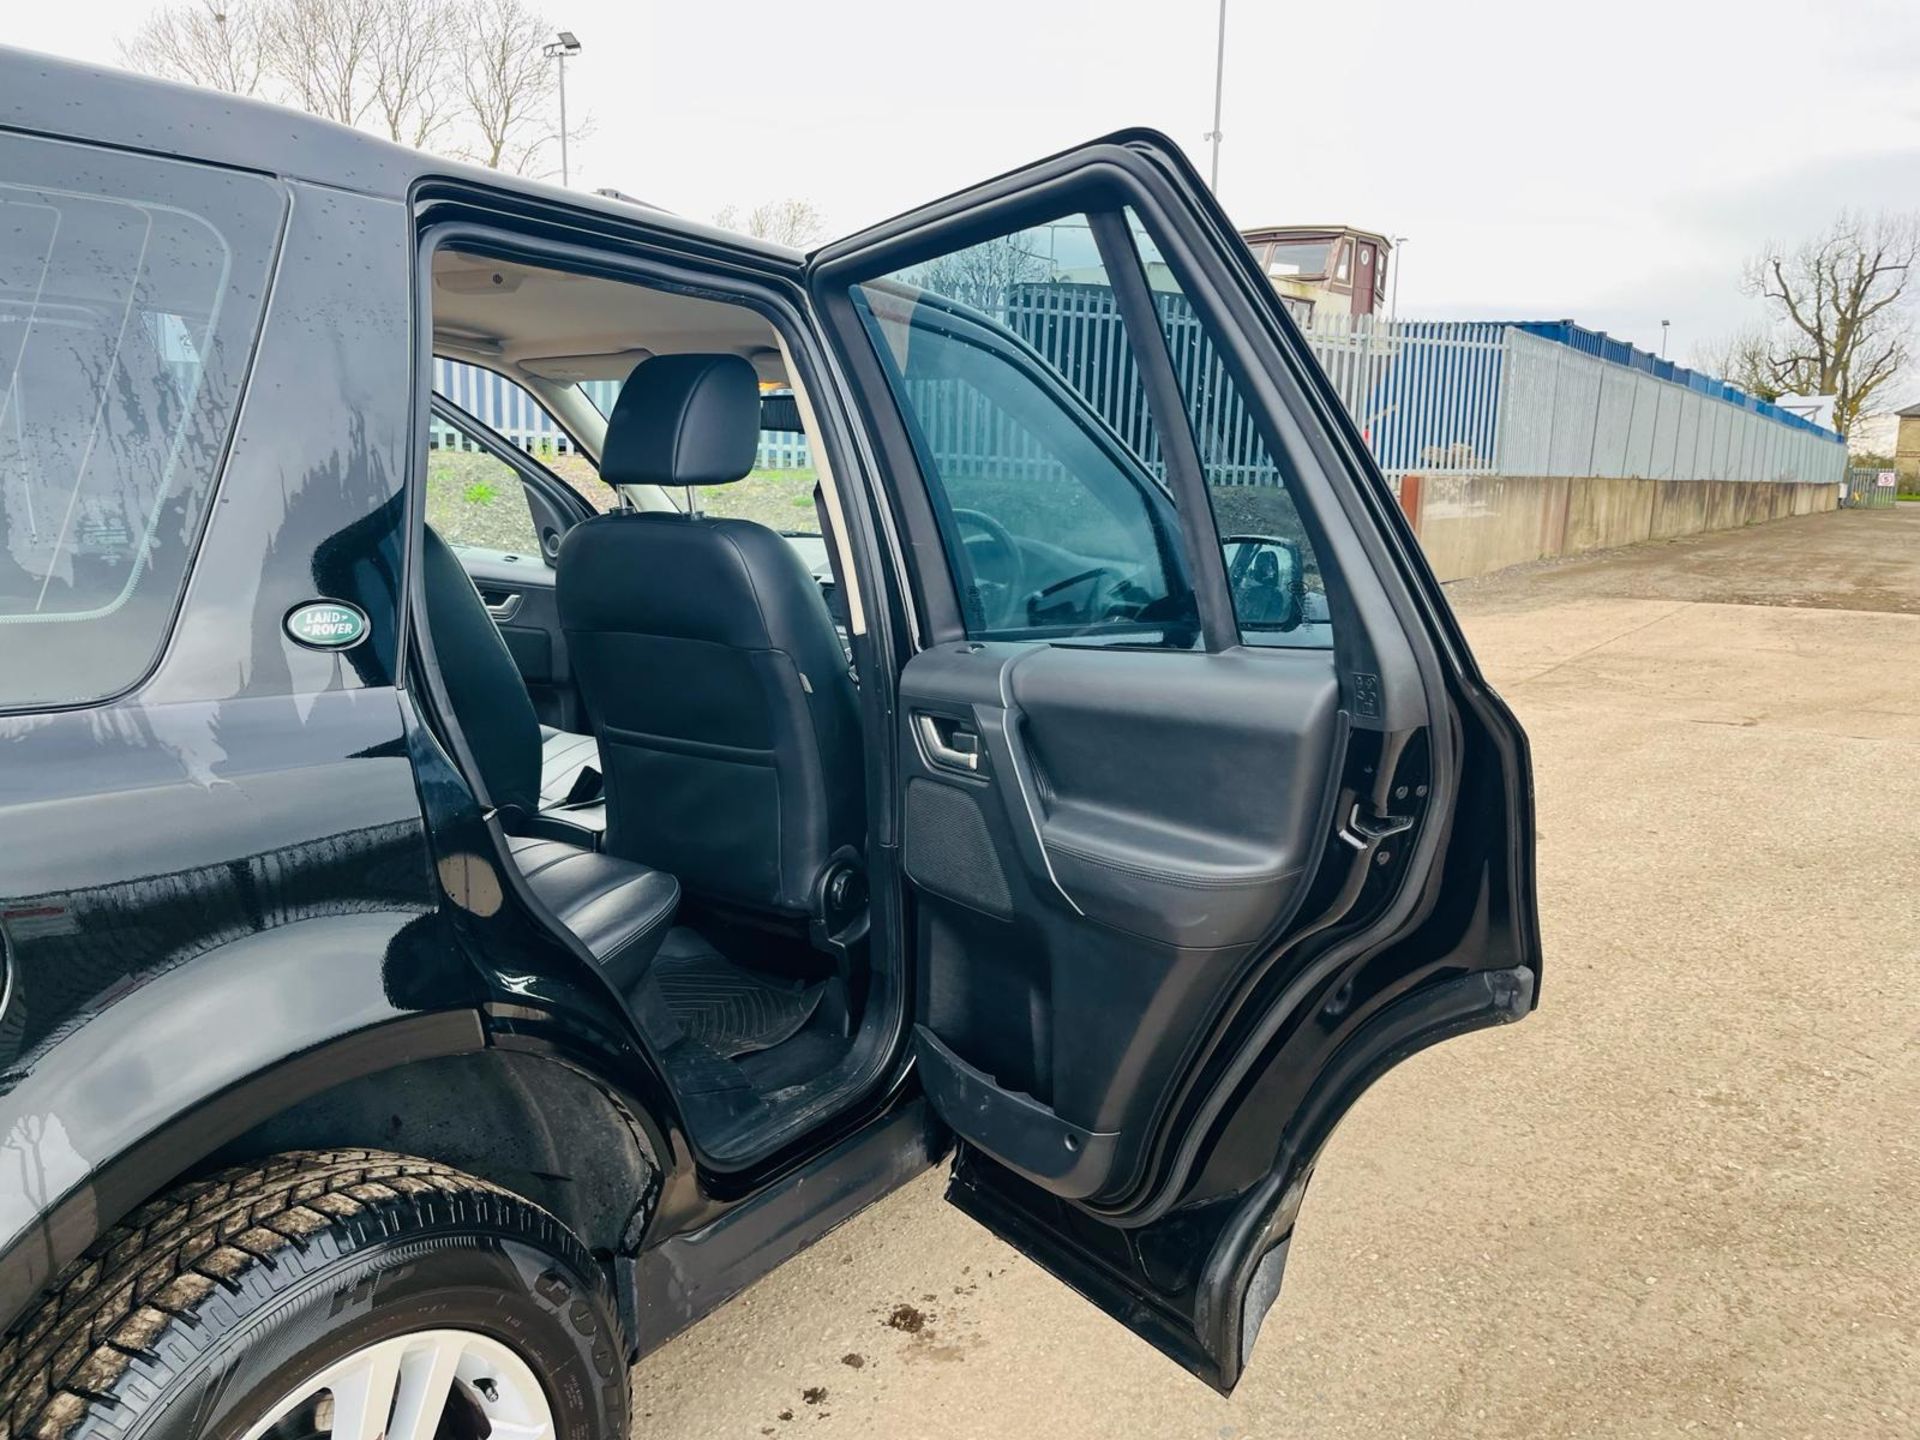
(997, 583)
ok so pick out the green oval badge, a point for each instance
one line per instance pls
(327, 625)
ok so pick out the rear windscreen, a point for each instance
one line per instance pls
(131, 290)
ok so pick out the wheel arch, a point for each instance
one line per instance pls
(535, 1125)
(283, 1039)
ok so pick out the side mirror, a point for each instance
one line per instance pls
(1267, 579)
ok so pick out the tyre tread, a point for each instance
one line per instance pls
(180, 1271)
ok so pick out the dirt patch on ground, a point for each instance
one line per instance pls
(906, 1319)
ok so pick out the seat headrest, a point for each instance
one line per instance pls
(683, 420)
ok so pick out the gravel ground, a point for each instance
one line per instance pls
(1684, 1198)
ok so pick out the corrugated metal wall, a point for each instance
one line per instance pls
(1564, 412)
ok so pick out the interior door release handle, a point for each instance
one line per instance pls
(505, 607)
(949, 743)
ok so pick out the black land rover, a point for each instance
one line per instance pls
(550, 754)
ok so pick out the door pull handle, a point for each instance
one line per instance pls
(957, 749)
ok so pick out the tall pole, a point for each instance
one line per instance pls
(1393, 304)
(560, 49)
(1219, 85)
(565, 179)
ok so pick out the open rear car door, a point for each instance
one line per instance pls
(1207, 815)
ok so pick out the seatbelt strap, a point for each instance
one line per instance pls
(841, 608)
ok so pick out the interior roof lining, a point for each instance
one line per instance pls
(506, 314)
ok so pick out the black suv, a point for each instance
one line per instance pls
(550, 754)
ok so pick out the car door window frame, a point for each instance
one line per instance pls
(1353, 525)
(1104, 200)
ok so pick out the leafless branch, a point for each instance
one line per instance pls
(411, 66)
(205, 42)
(507, 85)
(790, 221)
(324, 53)
(468, 77)
(1842, 305)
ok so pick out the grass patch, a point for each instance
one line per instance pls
(777, 499)
(473, 499)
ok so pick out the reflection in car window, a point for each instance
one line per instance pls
(127, 312)
(1035, 435)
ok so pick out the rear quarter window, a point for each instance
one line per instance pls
(131, 291)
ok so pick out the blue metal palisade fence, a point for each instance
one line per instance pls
(1431, 397)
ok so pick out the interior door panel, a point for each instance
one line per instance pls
(1175, 808)
(1170, 799)
(519, 594)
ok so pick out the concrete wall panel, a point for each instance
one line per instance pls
(1476, 524)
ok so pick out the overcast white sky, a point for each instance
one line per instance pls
(1612, 162)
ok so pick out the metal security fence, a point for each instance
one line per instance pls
(1431, 397)
(1426, 394)
(1452, 397)
(499, 403)
(510, 410)
(1869, 490)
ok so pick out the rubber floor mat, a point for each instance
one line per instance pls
(726, 1007)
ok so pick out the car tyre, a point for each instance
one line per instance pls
(208, 1309)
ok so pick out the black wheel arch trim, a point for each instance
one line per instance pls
(137, 1167)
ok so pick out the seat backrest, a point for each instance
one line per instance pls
(489, 699)
(728, 725)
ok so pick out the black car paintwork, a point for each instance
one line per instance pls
(251, 787)
(256, 876)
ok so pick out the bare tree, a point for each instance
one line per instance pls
(323, 53)
(1841, 310)
(791, 221)
(986, 274)
(508, 85)
(411, 69)
(468, 77)
(1741, 358)
(220, 45)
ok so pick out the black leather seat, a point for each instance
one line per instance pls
(618, 909)
(719, 692)
(563, 757)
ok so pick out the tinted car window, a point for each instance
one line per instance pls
(1274, 575)
(1032, 423)
(130, 293)
(512, 412)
